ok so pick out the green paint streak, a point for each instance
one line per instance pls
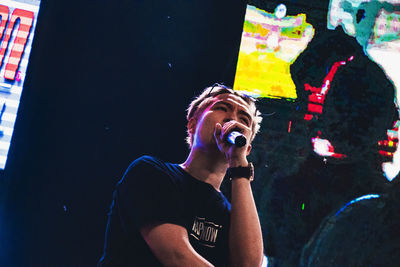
(249, 27)
(294, 32)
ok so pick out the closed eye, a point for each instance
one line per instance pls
(246, 121)
(221, 108)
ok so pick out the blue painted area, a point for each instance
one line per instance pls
(370, 196)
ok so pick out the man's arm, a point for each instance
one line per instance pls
(245, 237)
(170, 244)
(139, 209)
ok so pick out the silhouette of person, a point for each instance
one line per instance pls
(347, 102)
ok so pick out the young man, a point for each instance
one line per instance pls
(167, 214)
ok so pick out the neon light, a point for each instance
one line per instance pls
(4, 146)
(302, 206)
(280, 11)
(388, 143)
(317, 97)
(4, 11)
(385, 153)
(370, 196)
(34, 6)
(290, 126)
(17, 27)
(324, 148)
(390, 170)
(265, 262)
(26, 21)
(393, 134)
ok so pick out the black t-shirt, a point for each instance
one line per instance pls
(153, 191)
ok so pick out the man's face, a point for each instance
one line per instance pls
(223, 108)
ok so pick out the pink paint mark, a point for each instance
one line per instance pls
(324, 148)
(317, 97)
(19, 76)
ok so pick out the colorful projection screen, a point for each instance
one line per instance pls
(272, 41)
(17, 27)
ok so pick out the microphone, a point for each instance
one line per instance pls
(236, 138)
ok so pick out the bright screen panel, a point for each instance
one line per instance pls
(270, 43)
(17, 28)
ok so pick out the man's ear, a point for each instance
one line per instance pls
(248, 150)
(191, 125)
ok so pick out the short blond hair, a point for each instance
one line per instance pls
(202, 101)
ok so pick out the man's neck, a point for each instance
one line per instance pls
(205, 166)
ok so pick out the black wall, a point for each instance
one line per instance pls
(107, 82)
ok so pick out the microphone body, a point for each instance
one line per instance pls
(237, 139)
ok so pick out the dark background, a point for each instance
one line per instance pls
(107, 82)
(99, 93)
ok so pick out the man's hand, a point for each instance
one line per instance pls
(236, 156)
(245, 238)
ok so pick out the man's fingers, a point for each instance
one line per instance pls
(217, 131)
(233, 126)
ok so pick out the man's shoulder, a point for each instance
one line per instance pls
(147, 160)
(150, 167)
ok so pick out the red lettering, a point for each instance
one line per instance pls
(25, 24)
(4, 11)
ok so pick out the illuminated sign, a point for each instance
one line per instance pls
(17, 27)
